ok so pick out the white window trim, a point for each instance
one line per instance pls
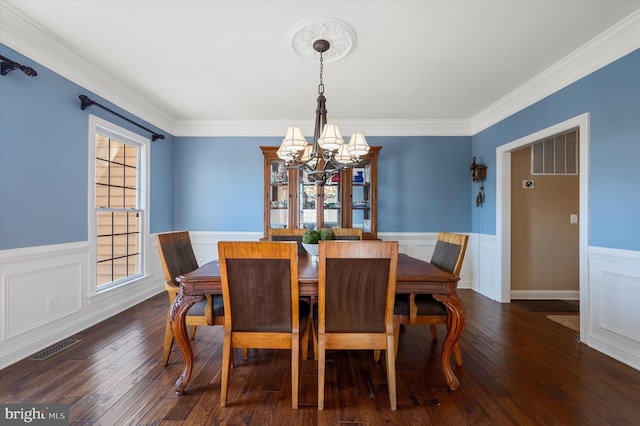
(106, 128)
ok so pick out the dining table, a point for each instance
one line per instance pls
(413, 276)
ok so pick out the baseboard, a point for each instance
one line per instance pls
(545, 294)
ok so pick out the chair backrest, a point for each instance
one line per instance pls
(356, 285)
(259, 285)
(449, 251)
(176, 255)
(288, 234)
(348, 233)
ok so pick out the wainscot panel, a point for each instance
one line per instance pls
(613, 323)
(46, 296)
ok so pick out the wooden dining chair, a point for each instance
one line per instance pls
(356, 288)
(423, 308)
(288, 234)
(262, 307)
(177, 258)
(348, 233)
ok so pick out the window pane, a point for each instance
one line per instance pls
(104, 273)
(119, 268)
(132, 241)
(130, 177)
(119, 223)
(116, 174)
(119, 246)
(102, 196)
(104, 248)
(102, 147)
(102, 171)
(116, 197)
(131, 156)
(104, 221)
(117, 152)
(130, 199)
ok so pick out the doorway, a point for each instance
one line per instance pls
(503, 208)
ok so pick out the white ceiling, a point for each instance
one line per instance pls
(219, 64)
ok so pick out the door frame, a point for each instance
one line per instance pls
(503, 208)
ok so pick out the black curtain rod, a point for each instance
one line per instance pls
(85, 102)
(8, 65)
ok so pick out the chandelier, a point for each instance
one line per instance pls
(328, 154)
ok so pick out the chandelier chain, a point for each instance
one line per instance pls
(321, 85)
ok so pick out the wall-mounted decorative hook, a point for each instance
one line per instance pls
(8, 65)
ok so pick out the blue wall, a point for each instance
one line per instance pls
(215, 184)
(43, 159)
(423, 183)
(612, 97)
(219, 183)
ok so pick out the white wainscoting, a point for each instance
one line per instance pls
(44, 296)
(613, 323)
(30, 276)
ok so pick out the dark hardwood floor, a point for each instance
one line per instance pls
(520, 368)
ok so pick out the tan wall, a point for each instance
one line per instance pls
(544, 245)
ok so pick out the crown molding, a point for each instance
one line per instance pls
(22, 35)
(616, 42)
(278, 128)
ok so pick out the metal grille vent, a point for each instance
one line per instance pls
(54, 349)
(556, 155)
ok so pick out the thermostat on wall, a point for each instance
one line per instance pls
(527, 184)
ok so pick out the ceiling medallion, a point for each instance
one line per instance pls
(337, 33)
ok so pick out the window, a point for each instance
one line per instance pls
(117, 204)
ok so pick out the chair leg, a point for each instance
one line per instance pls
(245, 353)
(391, 372)
(192, 335)
(314, 334)
(226, 364)
(434, 332)
(396, 335)
(321, 372)
(168, 343)
(295, 372)
(376, 355)
(305, 341)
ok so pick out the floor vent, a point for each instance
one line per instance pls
(54, 349)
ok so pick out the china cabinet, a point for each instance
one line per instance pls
(349, 200)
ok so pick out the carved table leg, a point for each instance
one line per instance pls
(457, 317)
(178, 325)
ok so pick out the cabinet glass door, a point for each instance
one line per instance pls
(332, 202)
(278, 195)
(308, 203)
(320, 206)
(361, 197)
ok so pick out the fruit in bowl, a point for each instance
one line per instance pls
(310, 240)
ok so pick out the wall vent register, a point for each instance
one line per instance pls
(556, 155)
